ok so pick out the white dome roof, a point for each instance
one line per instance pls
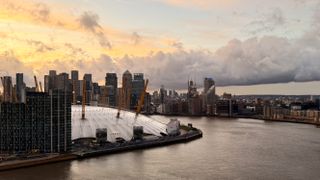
(103, 117)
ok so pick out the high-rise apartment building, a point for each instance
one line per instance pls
(41, 124)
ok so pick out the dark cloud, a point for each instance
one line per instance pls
(136, 38)
(40, 46)
(254, 61)
(89, 21)
(177, 44)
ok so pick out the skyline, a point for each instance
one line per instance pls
(236, 43)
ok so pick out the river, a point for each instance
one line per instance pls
(229, 149)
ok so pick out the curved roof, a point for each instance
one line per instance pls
(103, 117)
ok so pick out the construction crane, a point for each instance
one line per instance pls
(141, 101)
(83, 99)
(36, 83)
(40, 85)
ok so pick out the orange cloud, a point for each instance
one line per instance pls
(53, 24)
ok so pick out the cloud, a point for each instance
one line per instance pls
(264, 60)
(40, 46)
(136, 38)
(10, 65)
(177, 44)
(203, 4)
(40, 14)
(89, 21)
(257, 60)
(268, 23)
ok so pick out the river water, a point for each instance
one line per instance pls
(230, 149)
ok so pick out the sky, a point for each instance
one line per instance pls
(247, 46)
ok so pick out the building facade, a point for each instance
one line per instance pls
(126, 89)
(42, 124)
(112, 82)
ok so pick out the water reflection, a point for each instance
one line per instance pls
(230, 149)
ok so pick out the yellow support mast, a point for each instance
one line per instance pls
(141, 101)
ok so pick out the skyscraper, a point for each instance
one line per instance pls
(63, 82)
(88, 79)
(20, 88)
(75, 75)
(75, 85)
(208, 82)
(127, 89)
(7, 89)
(112, 82)
(50, 81)
(137, 88)
(209, 98)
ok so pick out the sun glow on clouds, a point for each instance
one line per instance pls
(39, 32)
(36, 37)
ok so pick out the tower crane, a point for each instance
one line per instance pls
(141, 101)
(36, 83)
(40, 85)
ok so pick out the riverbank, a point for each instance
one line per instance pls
(105, 150)
(254, 117)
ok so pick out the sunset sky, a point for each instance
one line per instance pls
(247, 46)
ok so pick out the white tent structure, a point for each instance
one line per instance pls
(103, 117)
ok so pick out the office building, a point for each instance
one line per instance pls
(112, 81)
(75, 86)
(126, 89)
(137, 88)
(208, 83)
(7, 89)
(88, 79)
(20, 88)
